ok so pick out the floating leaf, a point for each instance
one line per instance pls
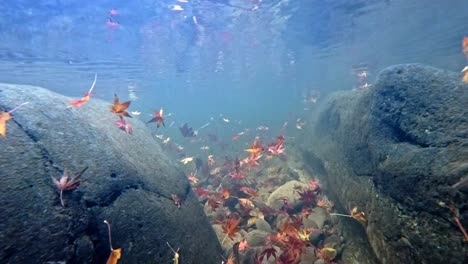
(120, 108)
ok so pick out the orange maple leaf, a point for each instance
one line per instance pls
(230, 228)
(85, 98)
(115, 253)
(4, 117)
(120, 108)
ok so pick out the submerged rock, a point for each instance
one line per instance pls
(287, 190)
(129, 182)
(395, 151)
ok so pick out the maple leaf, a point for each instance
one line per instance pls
(237, 175)
(186, 160)
(307, 197)
(246, 203)
(358, 215)
(176, 253)
(115, 253)
(192, 177)
(85, 98)
(123, 125)
(213, 203)
(64, 184)
(243, 245)
(5, 116)
(230, 228)
(249, 191)
(158, 119)
(268, 252)
(120, 108)
(202, 192)
(176, 200)
(255, 149)
(231, 260)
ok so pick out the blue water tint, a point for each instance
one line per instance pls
(251, 60)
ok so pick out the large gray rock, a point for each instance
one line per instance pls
(129, 182)
(395, 151)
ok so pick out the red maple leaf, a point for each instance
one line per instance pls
(308, 196)
(237, 175)
(268, 252)
(201, 192)
(213, 203)
(249, 191)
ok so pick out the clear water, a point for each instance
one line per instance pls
(236, 62)
(252, 62)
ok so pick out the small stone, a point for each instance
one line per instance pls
(332, 241)
(319, 216)
(287, 190)
(316, 237)
(319, 261)
(256, 238)
(308, 256)
(263, 225)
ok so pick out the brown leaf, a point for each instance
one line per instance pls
(120, 108)
(358, 215)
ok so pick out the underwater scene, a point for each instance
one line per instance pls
(234, 131)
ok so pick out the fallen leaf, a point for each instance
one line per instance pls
(230, 228)
(176, 253)
(226, 194)
(85, 98)
(465, 74)
(115, 253)
(358, 215)
(64, 184)
(114, 256)
(243, 245)
(176, 200)
(246, 203)
(192, 177)
(186, 160)
(4, 117)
